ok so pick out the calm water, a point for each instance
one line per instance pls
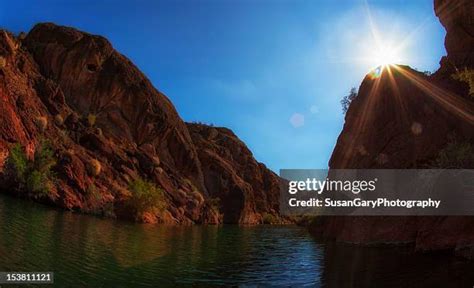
(85, 251)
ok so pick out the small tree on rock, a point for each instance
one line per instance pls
(347, 100)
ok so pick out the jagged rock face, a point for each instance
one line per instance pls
(95, 79)
(457, 16)
(232, 174)
(403, 119)
(108, 126)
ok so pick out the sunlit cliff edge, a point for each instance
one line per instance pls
(406, 119)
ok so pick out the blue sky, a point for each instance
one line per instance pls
(272, 71)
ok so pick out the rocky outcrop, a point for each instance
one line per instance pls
(404, 119)
(457, 16)
(108, 126)
(232, 175)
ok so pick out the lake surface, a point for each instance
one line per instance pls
(86, 251)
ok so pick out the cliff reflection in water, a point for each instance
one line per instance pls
(86, 251)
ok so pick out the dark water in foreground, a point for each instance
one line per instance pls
(85, 251)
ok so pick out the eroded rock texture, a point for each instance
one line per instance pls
(233, 175)
(100, 110)
(404, 119)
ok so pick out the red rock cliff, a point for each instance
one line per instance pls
(98, 110)
(233, 175)
(403, 119)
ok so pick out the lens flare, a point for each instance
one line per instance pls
(376, 73)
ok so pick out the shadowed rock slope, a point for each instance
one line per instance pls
(406, 119)
(108, 127)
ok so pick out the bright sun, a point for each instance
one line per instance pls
(374, 46)
(381, 57)
(385, 55)
(384, 47)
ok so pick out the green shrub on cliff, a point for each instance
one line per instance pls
(466, 76)
(146, 197)
(44, 158)
(38, 184)
(93, 195)
(35, 177)
(40, 176)
(269, 219)
(94, 199)
(456, 154)
(17, 164)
